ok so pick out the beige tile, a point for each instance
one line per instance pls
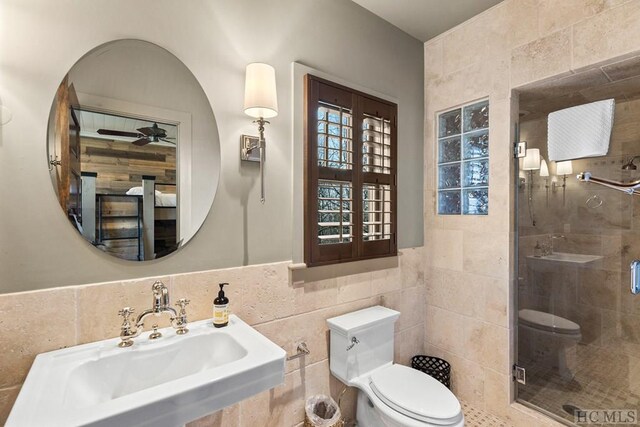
(310, 328)
(410, 303)
(445, 249)
(412, 267)
(456, 291)
(227, 417)
(467, 379)
(315, 295)
(523, 22)
(444, 329)
(465, 45)
(496, 299)
(354, 287)
(49, 317)
(486, 254)
(433, 60)
(609, 34)
(496, 393)
(8, 397)
(621, 90)
(556, 15)
(543, 58)
(410, 344)
(267, 294)
(599, 288)
(623, 69)
(385, 281)
(270, 408)
(487, 345)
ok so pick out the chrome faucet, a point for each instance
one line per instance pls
(161, 305)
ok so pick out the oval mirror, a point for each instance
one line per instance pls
(133, 150)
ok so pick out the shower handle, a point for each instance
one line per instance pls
(635, 276)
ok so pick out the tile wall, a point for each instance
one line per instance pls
(469, 260)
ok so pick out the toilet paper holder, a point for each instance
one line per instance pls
(301, 350)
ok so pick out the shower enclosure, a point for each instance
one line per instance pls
(578, 324)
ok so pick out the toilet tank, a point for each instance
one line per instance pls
(361, 341)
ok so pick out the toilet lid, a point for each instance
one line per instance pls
(548, 322)
(416, 395)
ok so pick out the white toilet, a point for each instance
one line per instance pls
(550, 339)
(390, 395)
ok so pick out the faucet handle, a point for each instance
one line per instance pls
(180, 321)
(182, 303)
(126, 312)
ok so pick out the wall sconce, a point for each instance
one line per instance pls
(260, 102)
(564, 169)
(531, 163)
(544, 173)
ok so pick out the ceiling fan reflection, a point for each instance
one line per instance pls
(144, 135)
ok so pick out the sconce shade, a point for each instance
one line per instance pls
(260, 97)
(564, 168)
(532, 160)
(544, 169)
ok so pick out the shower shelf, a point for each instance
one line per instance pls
(627, 187)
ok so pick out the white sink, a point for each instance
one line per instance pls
(578, 259)
(165, 382)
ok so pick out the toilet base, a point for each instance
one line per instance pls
(552, 350)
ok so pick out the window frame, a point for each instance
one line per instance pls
(318, 90)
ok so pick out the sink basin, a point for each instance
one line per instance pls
(577, 259)
(165, 382)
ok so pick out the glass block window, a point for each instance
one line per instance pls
(376, 212)
(335, 147)
(335, 212)
(463, 160)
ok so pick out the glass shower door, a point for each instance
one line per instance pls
(578, 323)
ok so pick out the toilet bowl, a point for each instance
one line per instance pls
(550, 335)
(389, 395)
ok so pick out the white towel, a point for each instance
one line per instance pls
(582, 131)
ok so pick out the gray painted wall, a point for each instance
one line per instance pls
(40, 41)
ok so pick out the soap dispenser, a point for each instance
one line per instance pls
(221, 308)
(537, 250)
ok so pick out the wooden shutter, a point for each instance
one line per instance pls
(350, 174)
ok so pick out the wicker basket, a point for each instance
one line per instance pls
(434, 366)
(339, 423)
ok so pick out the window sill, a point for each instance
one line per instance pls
(300, 273)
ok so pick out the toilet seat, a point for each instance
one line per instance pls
(548, 322)
(416, 395)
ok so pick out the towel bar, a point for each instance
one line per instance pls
(627, 187)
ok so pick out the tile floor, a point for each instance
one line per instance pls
(603, 380)
(474, 417)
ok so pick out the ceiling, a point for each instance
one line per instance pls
(425, 19)
(91, 121)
